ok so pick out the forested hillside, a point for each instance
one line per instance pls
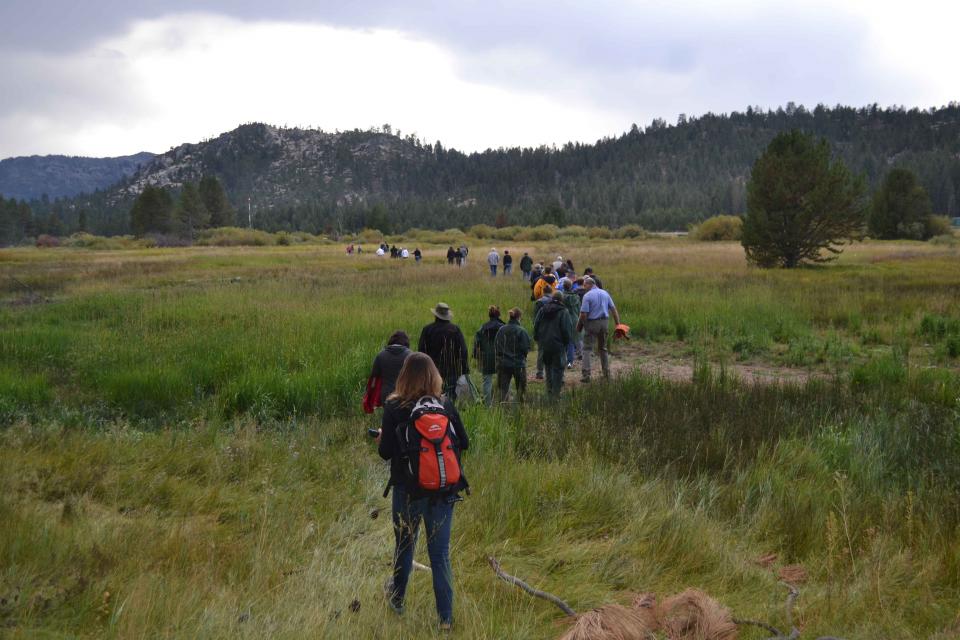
(32, 177)
(661, 177)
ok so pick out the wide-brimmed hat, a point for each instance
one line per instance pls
(442, 311)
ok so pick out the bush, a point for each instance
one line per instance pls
(599, 232)
(573, 231)
(947, 239)
(45, 241)
(507, 233)
(482, 231)
(235, 237)
(542, 232)
(372, 235)
(718, 228)
(630, 231)
(938, 226)
(99, 243)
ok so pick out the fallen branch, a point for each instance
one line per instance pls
(534, 592)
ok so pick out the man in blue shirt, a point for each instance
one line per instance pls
(596, 308)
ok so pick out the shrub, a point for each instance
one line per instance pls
(482, 231)
(718, 228)
(235, 237)
(371, 235)
(630, 231)
(938, 226)
(283, 239)
(45, 241)
(599, 232)
(541, 232)
(947, 239)
(507, 233)
(573, 231)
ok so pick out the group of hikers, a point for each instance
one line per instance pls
(421, 433)
(458, 256)
(394, 252)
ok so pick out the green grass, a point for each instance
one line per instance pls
(182, 452)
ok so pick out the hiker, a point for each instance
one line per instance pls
(493, 259)
(458, 257)
(512, 345)
(507, 262)
(444, 343)
(463, 253)
(526, 265)
(537, 306)
(417, 255)
(588, 272)
(404, 254)
(388, 362)
(596, 308)
(420, 384)
(551, 330)
(483, 350)
(570, 270)
(451, 254)
(558, 263)
(548, 280)
(359, 249)
(572, 303)
(380, 251)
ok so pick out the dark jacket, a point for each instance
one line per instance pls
(444, 343)
(507, 260)
(550, 329)
(512, 345)
(526, 263)
(387, 365)
(483, 350)
(572, 303)
(394, 415)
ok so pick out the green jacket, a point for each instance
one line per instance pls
(512, 345)
(483, 348)
(572, 303)
(551, 329)
(526, 263)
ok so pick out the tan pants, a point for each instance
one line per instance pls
(595, 331)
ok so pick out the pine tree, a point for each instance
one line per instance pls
(800, 204)
(215, 200)
(152, 211)
(901, 207)
(191, 214)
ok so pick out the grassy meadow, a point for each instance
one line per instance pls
(182, 451)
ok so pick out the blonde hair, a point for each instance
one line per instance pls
(418, 377)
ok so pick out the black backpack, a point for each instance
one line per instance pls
(430, 451)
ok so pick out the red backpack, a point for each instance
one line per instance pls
(430, 450)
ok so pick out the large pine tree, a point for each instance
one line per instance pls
(901, 207)
(191, 214)
(800, 204)
(215, 200)
(152, 211)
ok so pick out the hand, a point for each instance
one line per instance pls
(579, 327)
(379, 436)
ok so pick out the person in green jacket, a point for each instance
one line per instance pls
(572, 302)
(512, 345)
(551, 330)
(483, 350)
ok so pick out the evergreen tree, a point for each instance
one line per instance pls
(215, 200)
(191, 214)
(152, 211)
(800, 204)
(901, 207)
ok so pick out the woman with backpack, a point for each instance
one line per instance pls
(425, 479)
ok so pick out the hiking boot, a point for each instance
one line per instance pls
(391, 602)
(569, 365)
(446, 626)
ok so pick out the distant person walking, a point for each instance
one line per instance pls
(588, 272)
(572, 303)
(484, 352)
(526, 265)
(420, 381)
(596, 308)
(417, 255)
(493, 259)
(543, 300)
(451, 254)
(512, 345)
(444, 343)
(458, 257)
(507, 262)
(551, 330)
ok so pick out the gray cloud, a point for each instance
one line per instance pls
(638, 59)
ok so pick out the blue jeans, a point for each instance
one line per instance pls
(507, 268)
(437, 516)
(493, 269)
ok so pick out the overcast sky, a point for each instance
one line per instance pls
(113, 77)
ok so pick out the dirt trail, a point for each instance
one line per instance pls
(657, 360)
